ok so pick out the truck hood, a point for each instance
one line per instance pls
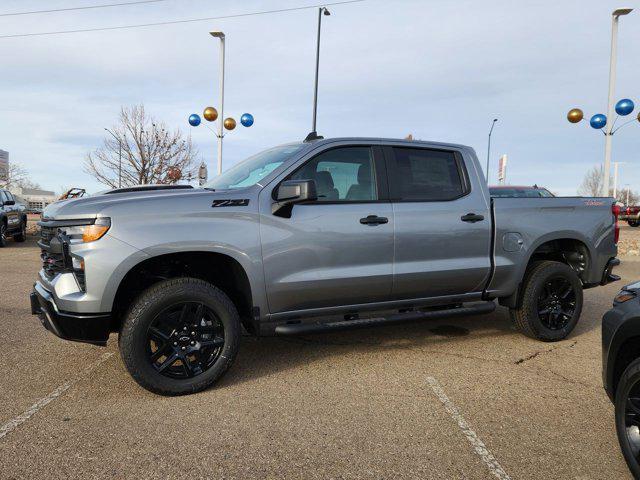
(91, 207)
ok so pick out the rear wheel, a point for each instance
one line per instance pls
(180, 336)
(551, 302)
(633, 223)
(627, 405)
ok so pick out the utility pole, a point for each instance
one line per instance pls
(321, 11)
(489, 147)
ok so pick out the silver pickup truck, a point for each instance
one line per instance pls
(315, 236)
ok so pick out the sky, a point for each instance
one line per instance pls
(440, 70)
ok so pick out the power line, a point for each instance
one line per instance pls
(88, 7)
(175, 22)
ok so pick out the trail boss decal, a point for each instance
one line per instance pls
(240, 202)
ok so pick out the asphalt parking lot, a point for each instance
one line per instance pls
(462, 398)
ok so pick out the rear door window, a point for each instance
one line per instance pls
(426, 175)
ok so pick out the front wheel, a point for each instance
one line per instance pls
(551, 302)
(3, 234)
(22, 235)
(180, 336)
(633, 223)
(627, 406)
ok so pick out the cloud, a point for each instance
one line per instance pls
(437, 69)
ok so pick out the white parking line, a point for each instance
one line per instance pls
(43, 402)
(477, 444)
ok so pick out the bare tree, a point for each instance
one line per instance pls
(592, 182)
(16, 176)
(150, 153)
(591, 186)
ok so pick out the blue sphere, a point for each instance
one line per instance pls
(194, 120)
(598, 121)
(246, 119)
(624, 107)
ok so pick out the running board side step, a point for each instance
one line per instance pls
(302, 328)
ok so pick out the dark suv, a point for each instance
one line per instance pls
(13, 219)
(621, 369)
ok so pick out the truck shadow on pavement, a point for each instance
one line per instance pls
(486, 338)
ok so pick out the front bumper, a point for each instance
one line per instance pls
(620, 334)
(87, 328)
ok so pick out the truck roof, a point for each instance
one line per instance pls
(388, 140)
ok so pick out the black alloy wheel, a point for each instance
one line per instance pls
(185, 340)
(556, 303)
(627, 411)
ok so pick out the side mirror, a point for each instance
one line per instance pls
(291, 192)
(10, 202)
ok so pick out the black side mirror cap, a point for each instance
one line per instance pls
(291, 192)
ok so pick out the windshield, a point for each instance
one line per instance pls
(253, 169)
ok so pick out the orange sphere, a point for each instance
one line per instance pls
(210, 114)
(229, 123)
(575, 115)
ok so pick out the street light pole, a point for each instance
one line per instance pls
(321, 11)
(615, 178)
(612, 84)
(221, 36)
(119, 157)
(489, 147)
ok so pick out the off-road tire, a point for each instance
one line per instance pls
(526, 318)
(133, 334)
(21, 236)
(629, 378)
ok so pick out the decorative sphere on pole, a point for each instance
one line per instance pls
(229, 123)
(210, 114)
(624, 107)
(246, 119)
(575, 115)
(598, 121)
(194, 120)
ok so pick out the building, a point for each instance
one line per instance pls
(34, 199)
(4, 164)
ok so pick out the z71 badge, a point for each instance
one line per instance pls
(240, 202)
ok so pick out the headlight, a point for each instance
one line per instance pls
(88, 233)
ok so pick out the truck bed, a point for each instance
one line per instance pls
(522, 227)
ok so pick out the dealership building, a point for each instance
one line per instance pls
(33, 198)
(4, 164)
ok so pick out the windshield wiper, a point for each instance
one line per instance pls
(210, 189)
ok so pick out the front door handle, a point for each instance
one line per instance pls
(373, 220)
(472, 218)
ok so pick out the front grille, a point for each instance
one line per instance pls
(46, 234)
(52, 263)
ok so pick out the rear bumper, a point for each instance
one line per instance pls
(608, 276)
(87, 328)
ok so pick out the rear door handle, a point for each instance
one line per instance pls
(373, 220)
(472, 218)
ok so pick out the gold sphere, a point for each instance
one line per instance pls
(575, 115)
(229, 123)
(210, 114)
